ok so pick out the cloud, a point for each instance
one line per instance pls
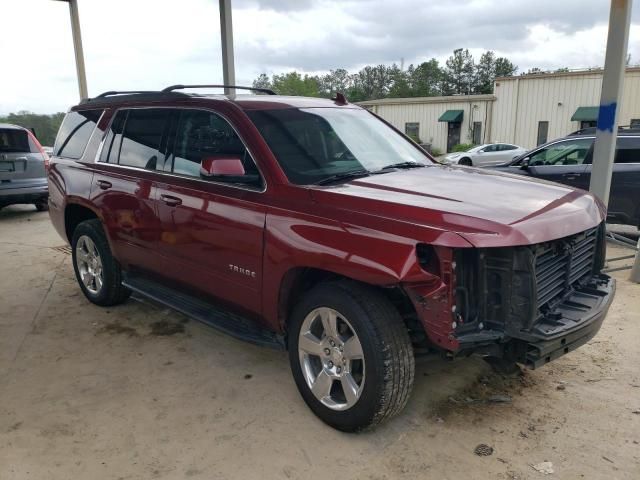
(148, 44)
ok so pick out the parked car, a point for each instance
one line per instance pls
(23, 165)
(569, 160)
(485, 155)
(313, 226)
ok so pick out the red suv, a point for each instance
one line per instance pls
(314, 226)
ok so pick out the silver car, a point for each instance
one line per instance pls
(486, 155)
(23, 168)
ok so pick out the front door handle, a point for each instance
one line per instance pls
(170, 200)
(103, 184)
(571, 176)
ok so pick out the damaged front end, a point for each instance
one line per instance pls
(529, 304)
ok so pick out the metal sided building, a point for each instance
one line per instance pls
(440, 121)
(525, 110)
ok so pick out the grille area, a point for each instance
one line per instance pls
(562, 264)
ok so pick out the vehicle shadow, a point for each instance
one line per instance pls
(18, 211)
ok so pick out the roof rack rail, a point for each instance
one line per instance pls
(267, 91)
(621, 129)
(111, 93)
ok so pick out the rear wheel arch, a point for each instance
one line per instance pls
(74, 214)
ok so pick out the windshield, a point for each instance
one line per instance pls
(312, 144)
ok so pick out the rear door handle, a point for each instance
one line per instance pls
(171, 201)
(103, 184)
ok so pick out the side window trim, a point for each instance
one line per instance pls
(178, 112)
(587, 157)
(175, 113)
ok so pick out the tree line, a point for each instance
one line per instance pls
(45, 126)
(460, 75)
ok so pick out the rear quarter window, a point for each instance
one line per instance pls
(13, 140)
(628, 150)
(75, 132)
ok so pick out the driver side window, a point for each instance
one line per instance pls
(200, 135)
(568, 152)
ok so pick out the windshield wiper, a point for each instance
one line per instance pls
(404, 165)
(343, 176)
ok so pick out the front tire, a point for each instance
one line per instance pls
(466, 162)
(350, 355)
(97, 271)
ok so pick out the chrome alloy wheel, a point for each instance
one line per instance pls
(89, 264)
(331, 358)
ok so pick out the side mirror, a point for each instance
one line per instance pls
(524, 164)
(222, 166)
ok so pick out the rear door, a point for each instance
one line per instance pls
(131, 155)
(22, 161)
(488, 155)
(624, 197)
(564, 161)
(507, 152)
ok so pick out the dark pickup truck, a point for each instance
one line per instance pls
(314, 226)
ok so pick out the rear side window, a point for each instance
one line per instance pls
(75, 132)
(143, 131)
(628, 150)
(13, 140)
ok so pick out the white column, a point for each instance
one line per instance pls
(613, 77)
(77, 47)
(226, 34)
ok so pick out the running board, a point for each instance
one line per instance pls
(227, 322)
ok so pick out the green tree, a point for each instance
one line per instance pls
(371, 83)
(504, 68)
(459, 73)
(45, 126)
(485, 73)
(262, 81)
(293, 83)
(400, 85)
(426, 79)
(337, 80)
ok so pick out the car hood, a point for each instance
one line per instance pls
(488, 209)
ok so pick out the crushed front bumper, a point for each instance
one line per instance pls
(578, 319)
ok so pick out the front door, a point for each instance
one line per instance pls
(453, 135)
(563, 162)
(212, 230)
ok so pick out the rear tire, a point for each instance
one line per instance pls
(97, 271)
(362, 382)
(466, 162)
(42, 206)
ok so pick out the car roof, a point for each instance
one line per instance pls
(623, 130)
(10, 126)
(244, 101)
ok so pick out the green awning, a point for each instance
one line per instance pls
(585, 114)
(451, 116)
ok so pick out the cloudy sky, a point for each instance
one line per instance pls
(149, 44)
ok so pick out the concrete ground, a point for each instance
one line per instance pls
(139, 392)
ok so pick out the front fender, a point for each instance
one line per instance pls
(370, 256)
